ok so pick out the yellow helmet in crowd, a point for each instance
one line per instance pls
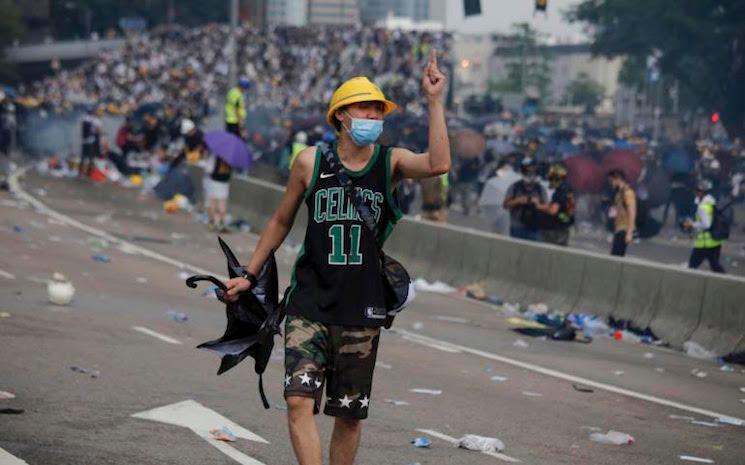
(355, 90)
(557, 173)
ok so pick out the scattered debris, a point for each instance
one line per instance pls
(431, 392)
(615, 438)
(438, 287)
(731, 421)
(383, 365)
(582, 388)
(659, 370)
(54, 239)
(480, 443)
(422, 441)
(102, 258)
(141, 280)
(696, 350)
(177, 316)
(499, 379)
(11, 411)
(223, 434)
(618, 372)
(705, 423)
(183, 275)
(5, 395)
(4, 315)
(532, 394)
(60, 290)
(521, 344)
(417, 325)
(522, 322)
(698, 373)
(727, 369)
(86, 371)
(475, 291)
(451, 319)
(648, 355)
(397, 403)
(690, 458)
(18, 228)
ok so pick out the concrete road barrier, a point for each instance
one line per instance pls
(677, 304)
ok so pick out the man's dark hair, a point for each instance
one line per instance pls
(617, 174)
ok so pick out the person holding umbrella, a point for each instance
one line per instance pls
(336, 302)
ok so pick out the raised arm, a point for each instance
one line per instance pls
(436, 161)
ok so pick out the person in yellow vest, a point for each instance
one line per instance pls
(300, 143)
(235, 107)
(705, 247)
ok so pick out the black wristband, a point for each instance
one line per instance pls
(249, 276)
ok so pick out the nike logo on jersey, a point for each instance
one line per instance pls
(326, 175)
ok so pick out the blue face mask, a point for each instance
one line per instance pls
(365, 131)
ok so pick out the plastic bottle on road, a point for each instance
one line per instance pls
(615, 438)
(594, 327)
(177, 316)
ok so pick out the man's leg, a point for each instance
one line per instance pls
(345, 441)
(697, 257)
(303, 430)
(713, 255)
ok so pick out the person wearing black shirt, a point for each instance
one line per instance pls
(558, 213)
(521, 200)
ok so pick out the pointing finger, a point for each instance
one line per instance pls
(433, 57)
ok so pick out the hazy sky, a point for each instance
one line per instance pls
(498, 15)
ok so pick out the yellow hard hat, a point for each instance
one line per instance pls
(357, 89)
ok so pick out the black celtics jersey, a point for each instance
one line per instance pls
(337, 276)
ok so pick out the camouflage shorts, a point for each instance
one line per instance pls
(341, 357)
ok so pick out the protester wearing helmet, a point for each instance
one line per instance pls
(235, 107)
(521, 200)
(559, 211)
(335, 304)
(705, 246)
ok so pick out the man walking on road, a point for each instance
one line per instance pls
(235, 107)
(335, 303)
(705, 246)
(623, 212)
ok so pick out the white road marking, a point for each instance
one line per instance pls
(452, 440)
(156, 334)
(451, 319)
(200, 419)
(426, 340)
(7, 275)
(6, 458)
(690, 458)
(433, 345)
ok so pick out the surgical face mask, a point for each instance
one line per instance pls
(365, 131)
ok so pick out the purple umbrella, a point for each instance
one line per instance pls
(230, 148)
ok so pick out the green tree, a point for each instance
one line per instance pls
(701, 44)
(11, 28)
(584, 91)
(528, 63)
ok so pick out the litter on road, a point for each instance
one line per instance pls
(499, 379)
(480, 443)
(727, 369)
(422, 441)
(698, 373)
(690, 458)
(86, 371)
(615, 438)
(431, 392)
(223, 434)
(102, 258)
(437, 287)
(648, 355)
(60, 290)
(532, 394)
(4, 395)
(11, 411)
(383, 365)
(141, 280)
(731, 421)
(696, 350)
(4, 315)
(397, 403)
(177, 316)
(618, 372)
(521, 344)
(582, 388)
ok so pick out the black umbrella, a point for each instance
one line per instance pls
(253, 319)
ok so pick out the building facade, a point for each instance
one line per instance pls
(372, 11)
(330, 12)
(287, 12)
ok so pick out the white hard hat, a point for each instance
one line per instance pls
(186, 126)
(301, 137)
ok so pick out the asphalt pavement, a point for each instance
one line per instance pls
(532, 398)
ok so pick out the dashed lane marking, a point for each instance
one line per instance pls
(156, 334)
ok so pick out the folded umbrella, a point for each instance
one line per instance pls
(229, 148)
(252, 321)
